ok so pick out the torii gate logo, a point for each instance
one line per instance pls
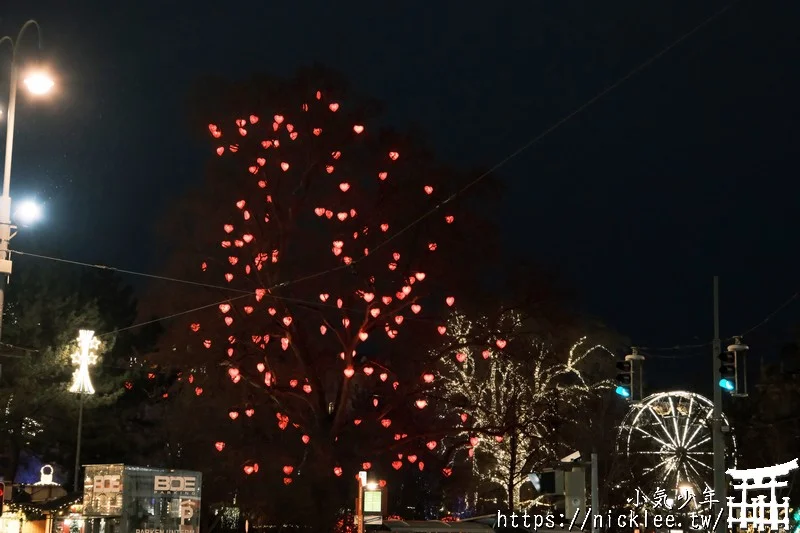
(759, 512)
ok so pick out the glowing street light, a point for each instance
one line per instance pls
(39, 83)
(82, 383)
(28, 212)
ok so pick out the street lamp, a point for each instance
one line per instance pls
(82, 383)
(28, 212)
(37, 83)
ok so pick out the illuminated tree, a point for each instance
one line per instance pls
(520, 384)
(314, 224)
(46, 306)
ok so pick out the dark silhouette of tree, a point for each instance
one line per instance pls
(47, 304)
(305, 368)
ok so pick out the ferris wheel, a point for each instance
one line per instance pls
(666, 442)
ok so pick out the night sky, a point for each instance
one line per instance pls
(686, 170)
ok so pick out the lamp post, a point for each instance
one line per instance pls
(37, 84)
(82, 384)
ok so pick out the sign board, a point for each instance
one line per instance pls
(143, 500)
(374, 520)
(372, 501)
(102, 490)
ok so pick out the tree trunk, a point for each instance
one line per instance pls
(512, 470)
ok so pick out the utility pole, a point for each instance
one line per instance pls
(595, 493)
(76, 483)
(720, 486)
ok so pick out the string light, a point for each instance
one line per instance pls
(521, 393)
(352, 310)
(85, 356)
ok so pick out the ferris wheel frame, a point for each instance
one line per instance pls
(667, 437)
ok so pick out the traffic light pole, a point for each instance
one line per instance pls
(720, 486)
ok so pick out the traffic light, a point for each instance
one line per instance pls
(727, 370)
(624, 379)
(2, 498)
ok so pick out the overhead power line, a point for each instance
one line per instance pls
(642, 66)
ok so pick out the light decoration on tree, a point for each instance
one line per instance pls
(522, 392)
(308, 169)
(83, 358)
